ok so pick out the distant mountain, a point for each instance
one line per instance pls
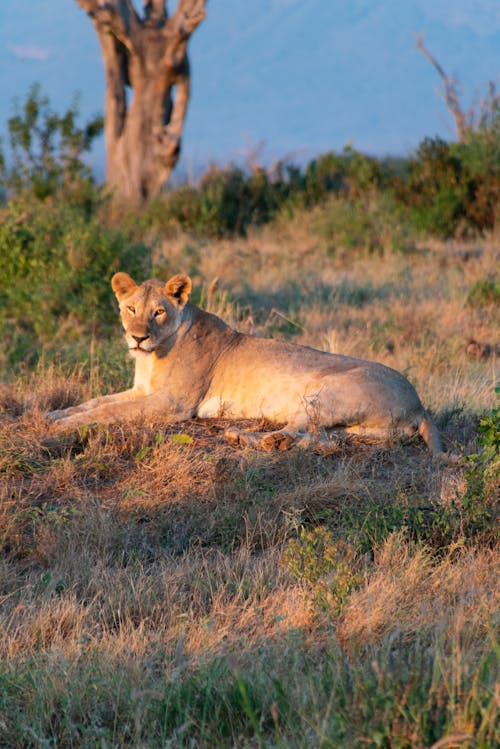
(302, 76)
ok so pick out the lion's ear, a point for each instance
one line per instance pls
(122, 285)
(179, 288)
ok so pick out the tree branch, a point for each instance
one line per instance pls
(89, 6)
(155, 13)
(168, 138)
(489, 107)
(118, 17)
(115, 58)
(450, 92)
(115, 61)
(187, 16)
(179, 109)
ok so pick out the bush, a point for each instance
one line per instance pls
(484, 293)
(231, 201)
(444, 190)
(350, 174)
(226, 202)
(433, 188)
(46, 152)
(55, 265)
(480, 156)
(56, 257)
(484, 467)
(375, 225)
(453, 189)
(328, 567)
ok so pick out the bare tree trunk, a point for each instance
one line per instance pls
(149, 55)
(462, 119)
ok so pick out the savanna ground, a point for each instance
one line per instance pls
(161, 588)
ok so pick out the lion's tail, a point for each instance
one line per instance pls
(428, 430)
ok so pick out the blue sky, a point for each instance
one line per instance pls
(302, 76)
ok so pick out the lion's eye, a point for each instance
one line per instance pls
(159, 311)
(131, 309)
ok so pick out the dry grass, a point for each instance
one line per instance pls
(145, 594)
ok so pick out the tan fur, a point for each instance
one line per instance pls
(189, 363)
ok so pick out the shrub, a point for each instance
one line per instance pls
(473, 517)
(231, 201)
(227, 201)
(351, 174)
(327, 566)
(454, 188)
(56, 257)
(55, 265)
(484, 293)
(480, 156)
(375, 225)
(433, 188)
(484, 467)
(46, 151)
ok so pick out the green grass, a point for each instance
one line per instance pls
(394, 694)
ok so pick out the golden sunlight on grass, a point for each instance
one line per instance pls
(160, 587)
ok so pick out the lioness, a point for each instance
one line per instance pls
(189, 363)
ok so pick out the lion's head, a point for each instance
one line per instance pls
(150, 312)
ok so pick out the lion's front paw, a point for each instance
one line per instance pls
(65, 417)
(65, 413)
(62, 421)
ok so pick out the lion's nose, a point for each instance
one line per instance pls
(139, 338)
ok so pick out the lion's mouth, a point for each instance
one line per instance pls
(139, 349)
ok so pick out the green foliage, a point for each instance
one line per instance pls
(228, 200)
(375, 225)
(444, 189)
(350, 174)
(433, 188)
(484, 293)
(468, 518)
(55, 257)
(47, 149)
(489, 430)
(464, 519)
(483, 474)
(454, 188)
(231, 201)
(393, 694)
(480, 156)
(55, 265)
(326, 565)
(57, 254)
